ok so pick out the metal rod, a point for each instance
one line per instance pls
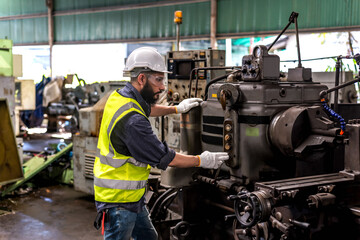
(24, 16)
(49, 4)
(126, 7)
(137, 40)
(337, 74)
(213, 20)
(177, 37)
(355, 211)
(297, 42)
(343, 85)
(277, 38)
(226, 208)
(196, 82)
(293, 16)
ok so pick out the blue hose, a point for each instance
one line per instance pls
(335, 115)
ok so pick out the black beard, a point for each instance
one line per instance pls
(148, 94)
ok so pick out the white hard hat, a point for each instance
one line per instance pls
(142, 59)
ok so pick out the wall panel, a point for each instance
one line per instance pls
(236, 18)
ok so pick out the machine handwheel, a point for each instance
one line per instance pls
(247, 210)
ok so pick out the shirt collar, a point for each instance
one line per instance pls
(131, 92)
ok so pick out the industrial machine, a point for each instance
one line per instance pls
(294, 164)
(85, 143)
(72, 100)
(182, 65)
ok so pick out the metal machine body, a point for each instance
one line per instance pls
(287, 160)
(254, 127)
(84, 150)
(314, 207)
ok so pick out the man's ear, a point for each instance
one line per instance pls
(141, 79)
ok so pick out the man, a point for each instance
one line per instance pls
(128, 148)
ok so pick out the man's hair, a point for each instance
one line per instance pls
(146, 72)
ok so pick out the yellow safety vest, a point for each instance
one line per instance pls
(118, 178)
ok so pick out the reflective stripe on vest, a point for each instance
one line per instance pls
(117, 178)
(109, 160)
(125, 107)
(106, 183)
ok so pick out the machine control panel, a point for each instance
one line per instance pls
(261, 65)
(181, 64)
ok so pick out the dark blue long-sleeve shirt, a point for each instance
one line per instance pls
(133, 136)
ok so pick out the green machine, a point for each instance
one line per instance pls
(6, 58)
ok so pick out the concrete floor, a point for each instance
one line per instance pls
(55, 212)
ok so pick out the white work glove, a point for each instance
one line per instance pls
(187, 104)
(212, 160)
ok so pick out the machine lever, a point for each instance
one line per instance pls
(325, 92)
(303, 225)
(224, 95)
(228, 217)
(292, 17)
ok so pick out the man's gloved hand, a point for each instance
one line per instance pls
(187, 104)
(212, 160)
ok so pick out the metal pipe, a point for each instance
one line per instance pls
(340, 86)
(50, 5)
(206, 179)
(277, 38)
(291, 20)
(196, 83)
(177, 37)
(337, 74)
(355, 211)
(126, 7)
(214, 81)
(297, 42)
(103, 9)
(138, 40)
(333, 132)
(213, 26)
(218, 205)
(277, 224)
(23, 16)
(204, 68)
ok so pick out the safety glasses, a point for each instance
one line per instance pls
(156, 79)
